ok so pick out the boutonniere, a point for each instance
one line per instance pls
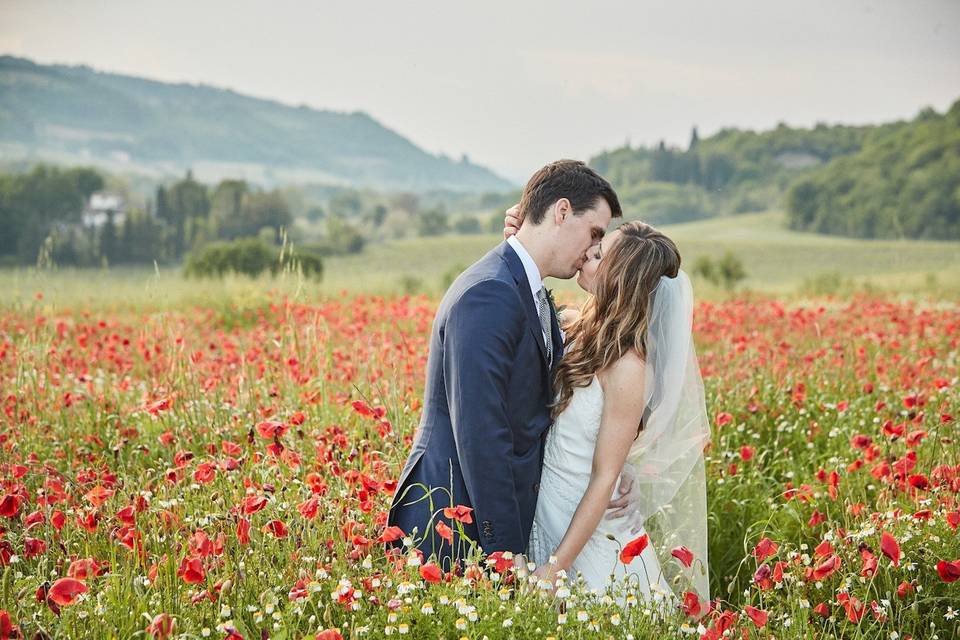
(553, 305)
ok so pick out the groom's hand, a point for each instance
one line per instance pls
(511, 221)
(626, 504)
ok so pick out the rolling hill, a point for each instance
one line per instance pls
(74, 114)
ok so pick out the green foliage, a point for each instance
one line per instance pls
(904, 183)
(33, 204)
(450, 275)
(342, 238)
(434, 222)
(467, 225)
(663, 202)
(727, 272)
(249, 257)
(731, 172)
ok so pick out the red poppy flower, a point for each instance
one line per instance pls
(684, 555)
(460, 513)
(499, 562)
(33, 547)
(271, 429)
(85, 568)
(98, 495)
(8, 630)
(826, 568)
(390, 534)
(205, 473)
(157, 406)
(430, 572)
(633, 548)
(309, 508)
(9, 505)
(252, 504)
(890, 548)
(764, 549)
(723, 418)
(191, 570)
(276, 528)
(127, 515)
(691, 604)
(65, 590)
(298, 591)
(243, 531)
(759, 617)
(328, 634)
(162, 626)
(823, 549)
(444, 531)
(949, 571)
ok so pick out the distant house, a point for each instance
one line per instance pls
(101, 206)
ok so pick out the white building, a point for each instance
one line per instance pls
(101, 206)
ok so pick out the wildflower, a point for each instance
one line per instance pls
(633, 548)
(65, 590)
(684, 555)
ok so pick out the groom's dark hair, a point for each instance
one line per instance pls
(570, 179)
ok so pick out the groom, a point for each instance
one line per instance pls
(493, 349)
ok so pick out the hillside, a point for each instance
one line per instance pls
(895, 180)
(903, 183)
(123, 123)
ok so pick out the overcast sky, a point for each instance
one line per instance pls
(517, 84)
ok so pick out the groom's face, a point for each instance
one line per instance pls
(577, 233)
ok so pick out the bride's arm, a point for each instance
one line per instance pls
(622, 411)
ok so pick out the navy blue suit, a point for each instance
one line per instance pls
(485, 413)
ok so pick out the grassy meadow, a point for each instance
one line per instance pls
(777, 262)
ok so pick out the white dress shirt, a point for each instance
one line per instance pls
(533, 273)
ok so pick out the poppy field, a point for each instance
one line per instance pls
(225, 473)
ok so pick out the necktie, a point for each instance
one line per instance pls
(543, 310)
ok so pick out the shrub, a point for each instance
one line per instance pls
(249, 257)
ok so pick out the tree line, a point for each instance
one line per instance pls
(903, 183)
(896, 180)
(41, 214)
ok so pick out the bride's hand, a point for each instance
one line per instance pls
(546, 574)
(627, 505)
(511, 221)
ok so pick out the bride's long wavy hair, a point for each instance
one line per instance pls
(614, 319)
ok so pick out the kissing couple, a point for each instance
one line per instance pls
(575, 441)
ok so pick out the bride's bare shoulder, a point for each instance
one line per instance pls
(628, 369)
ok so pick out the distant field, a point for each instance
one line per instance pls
(777, 261)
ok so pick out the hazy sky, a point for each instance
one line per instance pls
(517, 84)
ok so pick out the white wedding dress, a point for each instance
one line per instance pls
(567, 463)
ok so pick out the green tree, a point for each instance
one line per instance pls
(433, 222)
(467, 225)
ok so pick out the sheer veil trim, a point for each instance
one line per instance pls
(668, 454)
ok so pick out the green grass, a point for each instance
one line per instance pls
(778, 261)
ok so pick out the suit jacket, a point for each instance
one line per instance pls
(485, 414)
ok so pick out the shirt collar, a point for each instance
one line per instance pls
(529, 266)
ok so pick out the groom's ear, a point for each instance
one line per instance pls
(561, 209)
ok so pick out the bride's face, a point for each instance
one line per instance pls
(588, 272)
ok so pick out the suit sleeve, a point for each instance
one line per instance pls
(481, 336)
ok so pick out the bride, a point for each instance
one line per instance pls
(628, 391)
